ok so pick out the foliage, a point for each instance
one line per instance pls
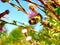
(49, 35)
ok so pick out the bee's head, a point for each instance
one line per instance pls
(32, 21)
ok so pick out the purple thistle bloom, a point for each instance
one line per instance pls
(31, 14)
(1, 29)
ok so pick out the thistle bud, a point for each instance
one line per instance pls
(7, 11)
(5, 1)
(24, 31)
(4, 13)
(28, 38)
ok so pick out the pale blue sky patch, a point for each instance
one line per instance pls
(18, 15)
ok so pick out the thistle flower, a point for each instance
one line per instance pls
(1, 29)
(2, 24)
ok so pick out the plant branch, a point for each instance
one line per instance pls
(21, 6)
(49, 7)
(34, 3)
(55, 1)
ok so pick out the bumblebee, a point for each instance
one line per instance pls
(35, 20)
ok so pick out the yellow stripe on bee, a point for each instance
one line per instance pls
(38, 17)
